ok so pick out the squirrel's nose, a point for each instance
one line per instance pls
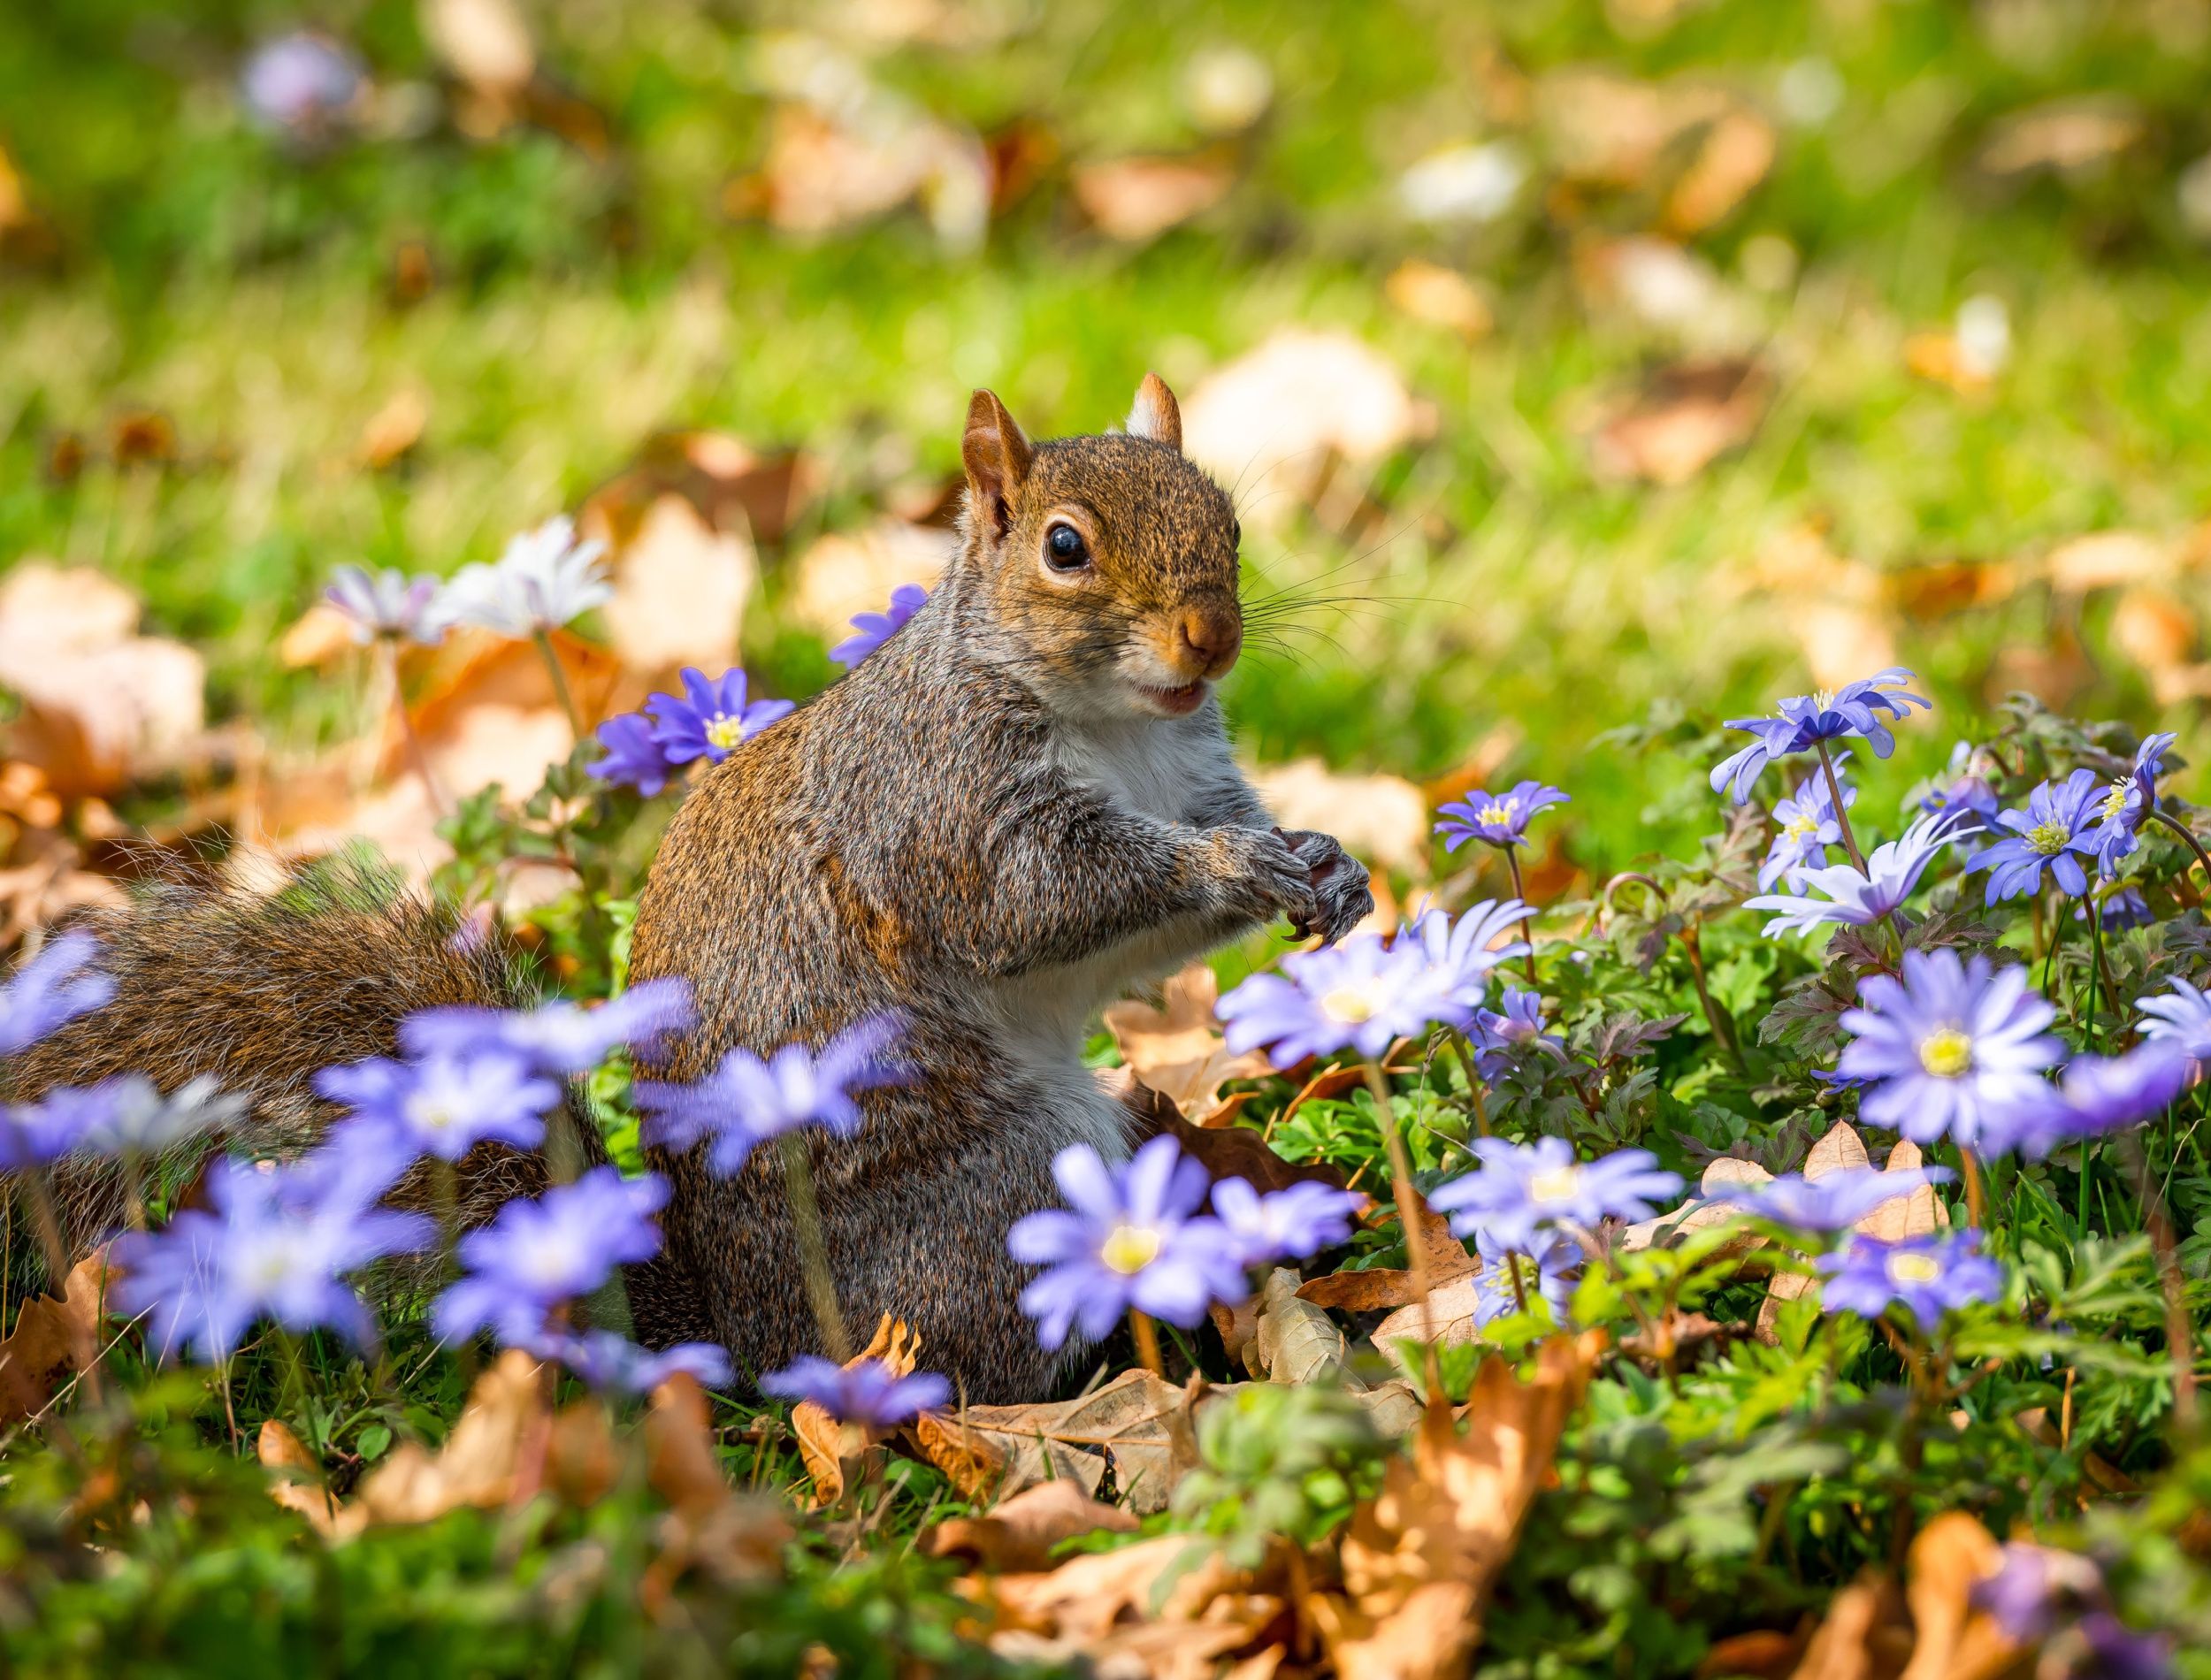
(1212, 638)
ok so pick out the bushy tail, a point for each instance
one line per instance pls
(263, 991)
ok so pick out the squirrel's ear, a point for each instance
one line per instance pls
(997, 457)
(1156, 415)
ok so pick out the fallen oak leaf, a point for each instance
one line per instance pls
(1178, 1049)
(1379, 1286)
(476, 1467)
(1224, 1151)
(54, 1338)
(1135, 199)
(994, 1452)
(1017, 1534)
(826, 1445)
(298, 1485)
(1294, 1341)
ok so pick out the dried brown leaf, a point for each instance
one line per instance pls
(298, 1485)
(485, 42)
(477, 1465)
(1224, 1151)
(680, 590)
(827, 1446)
(849, 572)
(1018, 1533)
(54, 1338)
(1136, 199)
(1686, 417)
(1382, 820)
(1440, 296)
(394, 429)
(1177, 1049)
(994, 1452)
(1420, 1557)
(2106, 559)
(1951, 1640)
(1379, 1286)
(1294, 1341)
(1737, 153)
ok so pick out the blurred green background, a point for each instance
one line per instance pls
(1676, 352)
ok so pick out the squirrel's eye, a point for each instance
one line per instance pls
(1064, 548)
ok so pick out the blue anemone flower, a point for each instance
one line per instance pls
(1805, 825)
(635, 758)
(1806, 720)
(712, 719)
(871, 630)
(1501, 819)
(1926, 1276)
(1891, 874)
(2051, 833)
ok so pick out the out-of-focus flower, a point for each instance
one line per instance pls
(1983, 336)
(139, 1120)
(1892, 875)
(268, 1245)
(1292, 1224)
(1523, 1188)
(1805, 825)
(2182, 1019)
(2122, 908)
(559, 1038)
(865, 1392)
(544, 580)
(1967, 786)
(614, 1364)
(1496, 1035)
(1501, 819)
(390, 604)
(1926, 1276)
(1131, 1238)
(2098, 1095)
(1835, 1201)
(871, 630)
(1953, 1049)
(50, 990)
(1464, 951)
(1361, 994)
(301, 83)
(1545, 1268)
(711, 720)
(2117, 1652)
(443, 1104)
(2047, 835)
(1806, 720)
(549, 1249)
(33, 1133)
(1472, 183)
(635, 757)
(746, 1101)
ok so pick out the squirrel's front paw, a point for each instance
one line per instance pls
(1341, 894)
(1266, 878)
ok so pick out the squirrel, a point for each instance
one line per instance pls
(1020, 806)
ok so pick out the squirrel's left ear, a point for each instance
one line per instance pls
(1156, 415)
(996, 455)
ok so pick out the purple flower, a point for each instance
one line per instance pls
(863, 1392)
(271, 1244)
(1134, 1238)
(2020, 1596)
(1806, 720)
(2122, 907)
(1926, 1276)
(2119, 815)
(1526, 1188)
(746, 1101)
(558, 1038)
(1464, 953)
(1835, 1201)
(872, 629)
(2046, 835)
(2115, 1652)
(443, 1104)
(1496, 1035)
(615, 1364)
(1954, 1048)
(2099, 1094)
(1360, 994)
(1501, 819)
(712, 719)
(139, 1120)
(544, 579)
(388, 603)
(634, 756)
(1805, 825)
(301, 82)
(1292, 1224)
(1550, 1257)
(1892, 875)
(2182, 1019)
(50, 989)
(33, 1133)
(1966, 789)
(551, 1248)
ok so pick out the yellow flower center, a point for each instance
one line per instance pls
(2048, 839)
(1822, 698)
(725, 732)
(1352, 1005)
(1497, 814)
(2114, 803)
(1130, 1248)
(1802, 827)
(1947, 1053)
(428, 1115)
(1913, 1268)
(1559, 1184)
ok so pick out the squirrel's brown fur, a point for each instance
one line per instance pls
(1020, 805)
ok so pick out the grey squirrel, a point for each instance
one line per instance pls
(1020, 806)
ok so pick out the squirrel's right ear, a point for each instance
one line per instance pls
(1156, 415)
(997, 456)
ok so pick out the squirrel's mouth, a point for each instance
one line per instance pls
(1175, 702)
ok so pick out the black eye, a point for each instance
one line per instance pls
(1064, 548)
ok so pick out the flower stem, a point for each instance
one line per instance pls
(2186, 833)
(560, 682)
(1722, 1023)
(1408, 1217)
(1147, 1341)
(84, 1341)
(2180, 1330)
(415, 755)
(806, 1218)
(1528, 922)
(1842, 817)
(1976, 1203)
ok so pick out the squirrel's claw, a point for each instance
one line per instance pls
(1342, 895)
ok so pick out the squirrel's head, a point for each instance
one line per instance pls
(1110, 561)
